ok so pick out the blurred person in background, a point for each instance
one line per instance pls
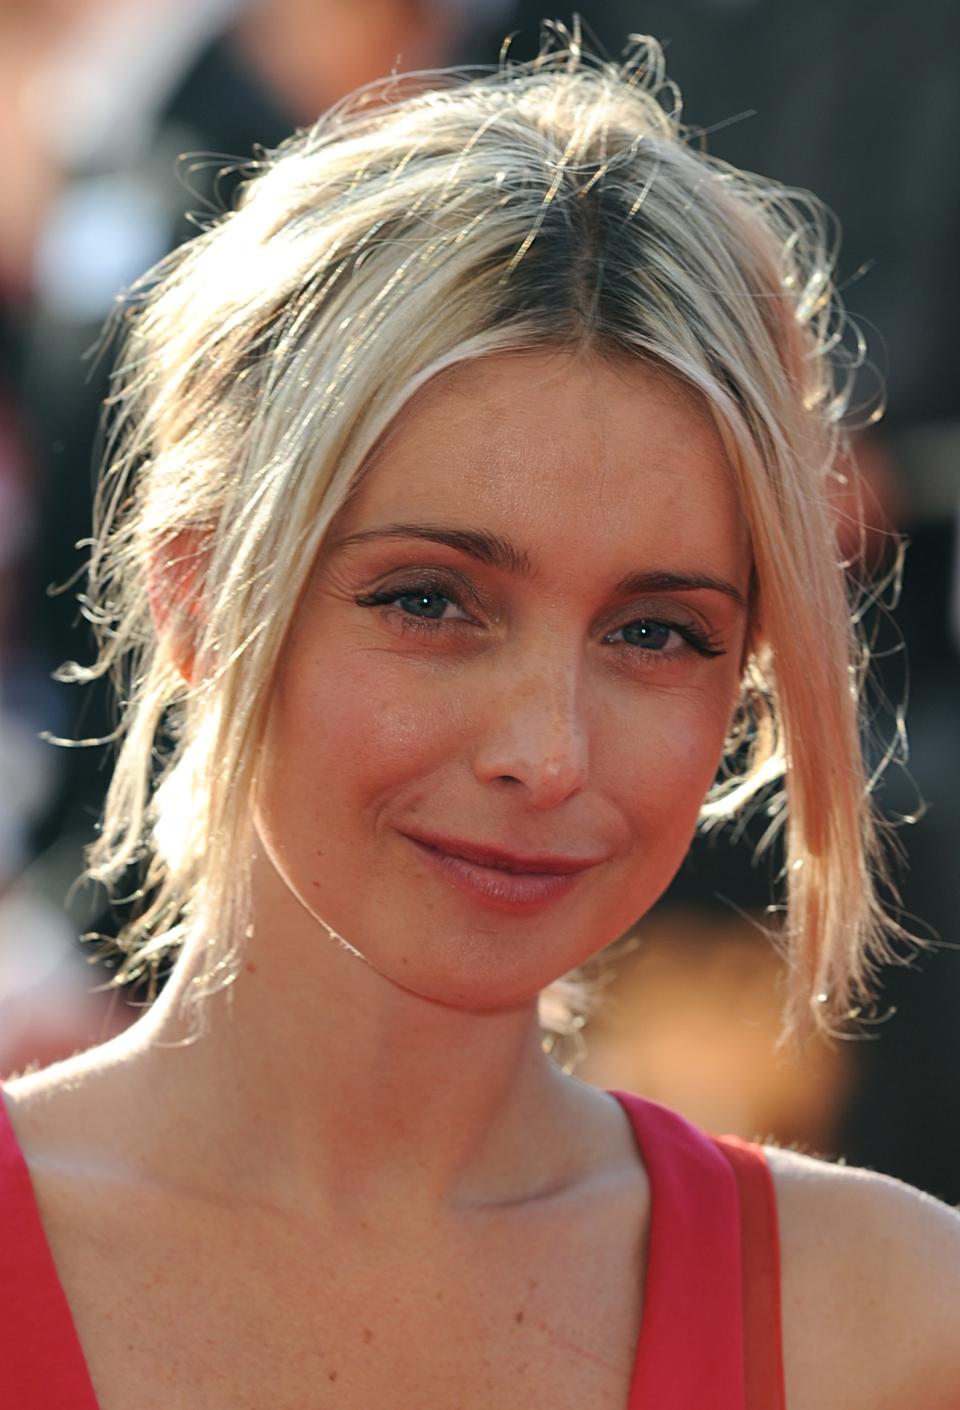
(37, 965)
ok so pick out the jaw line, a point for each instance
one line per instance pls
(341, 940)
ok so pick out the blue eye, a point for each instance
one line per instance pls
(418, 602)
(648, 634)
(431, 605)
(652, 636)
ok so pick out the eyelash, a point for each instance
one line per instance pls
(698, 641)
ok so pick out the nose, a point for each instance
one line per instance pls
(536, 736)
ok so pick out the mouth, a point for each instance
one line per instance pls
(506, 880)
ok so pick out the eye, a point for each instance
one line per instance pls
(661, 638)
(433, 606)
(652, 636)
(418, 602)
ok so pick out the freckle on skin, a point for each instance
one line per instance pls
(518, 1316)
(367, 1335)
(332, 1376)
(251, 967)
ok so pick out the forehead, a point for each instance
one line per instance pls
(556, 449)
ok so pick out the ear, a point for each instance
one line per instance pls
(175, 583)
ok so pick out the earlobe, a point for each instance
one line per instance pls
(175, 583)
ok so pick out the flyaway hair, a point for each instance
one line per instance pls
(556, 203)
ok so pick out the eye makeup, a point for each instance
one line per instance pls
(434, 599)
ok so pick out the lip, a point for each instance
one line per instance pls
(507, 880)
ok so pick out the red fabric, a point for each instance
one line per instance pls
(710, 1330)
(760, 1255)
(41, 1364)
(689, 1352)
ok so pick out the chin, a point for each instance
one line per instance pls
(478, 970)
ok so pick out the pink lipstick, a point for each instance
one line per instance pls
(504, 879)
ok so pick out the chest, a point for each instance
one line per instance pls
(535, 1311)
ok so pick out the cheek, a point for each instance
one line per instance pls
(662, 776)
(346, 734)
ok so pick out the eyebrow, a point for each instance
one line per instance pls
(498, 552)
(491, 549)
(678, 582)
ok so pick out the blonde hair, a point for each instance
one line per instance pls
(552, 203)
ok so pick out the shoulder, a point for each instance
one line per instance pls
(67, 1117)
(37, 1101)
(871, 1288)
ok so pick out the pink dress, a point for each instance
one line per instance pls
(710, 1329)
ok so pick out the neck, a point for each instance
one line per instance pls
(317, 1082)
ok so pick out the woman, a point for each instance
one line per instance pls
(466, 506)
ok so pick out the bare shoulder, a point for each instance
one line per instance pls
(36, 1098)
(65, 1110)
(871, 1288)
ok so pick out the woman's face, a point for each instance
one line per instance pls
(506, 689)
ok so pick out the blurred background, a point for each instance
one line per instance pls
(858, 100)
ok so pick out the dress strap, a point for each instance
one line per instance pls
(41, 1360)
(760, 1259)
(690, 1346)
